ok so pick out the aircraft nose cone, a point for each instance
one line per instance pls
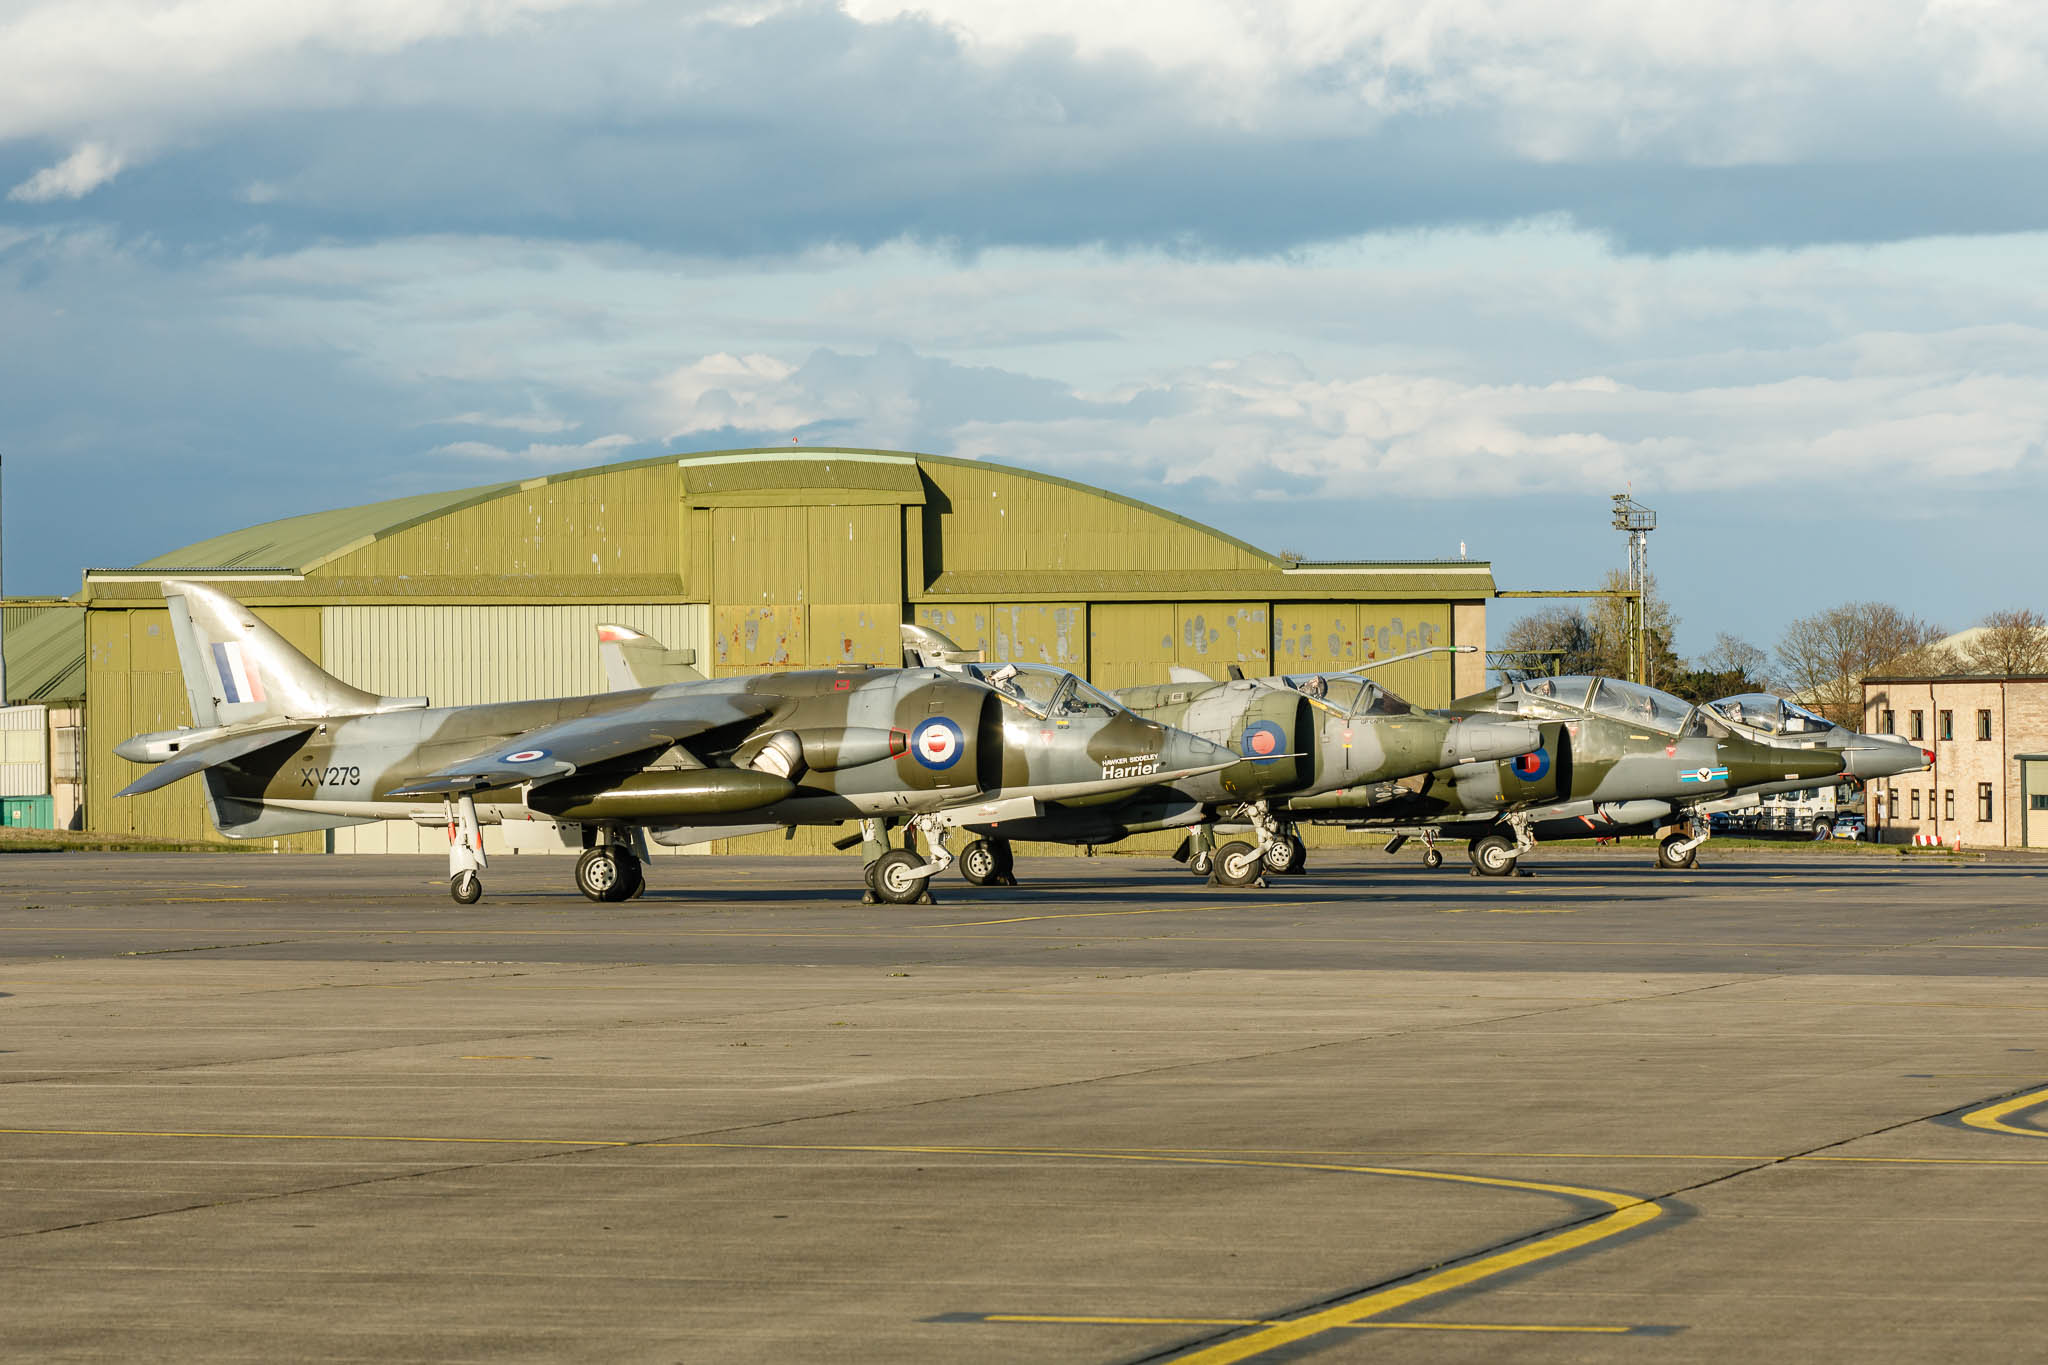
(1183, 752)
(1480, 739)
(1873, 756)
(132, 749)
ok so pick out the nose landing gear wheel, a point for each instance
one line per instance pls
(1493, 855)
(1668, 857)
(1238, 864)
(466, 887)
(607, 873)
(893, 878)
(1433, 859)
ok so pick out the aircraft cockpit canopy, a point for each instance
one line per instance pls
(1640, 705)
(1546, 696)
(1347, 694)
(1772, 715)
(1045, 691)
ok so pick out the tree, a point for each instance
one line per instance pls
(2014, 644)
(1659, 624)
(1733, 666)
(1564, 630)
(1827, 655)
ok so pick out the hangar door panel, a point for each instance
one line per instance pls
(1311, 636)
(1029, 632)
(465, 656)
(805, 586)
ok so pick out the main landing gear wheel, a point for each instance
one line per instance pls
(1670, 859)
(466, 887)
(1286, 856)
(1493, 855)
(1238, 864)
(895, 880)
(989, 862)
(1433, 859)
(607, 873)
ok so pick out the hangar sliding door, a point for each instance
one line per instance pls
(470, 655)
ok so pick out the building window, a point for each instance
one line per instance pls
(1888, 722)
(1984, 802)
(1983, 725)
(2037, 801)
(1948, 725)
(1919, 722)
(1916, 803)
(1948, 804)
(1891, 804)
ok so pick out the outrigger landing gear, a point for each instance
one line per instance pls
(465, 851)
(1201, 850)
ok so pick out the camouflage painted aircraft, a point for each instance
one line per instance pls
(1293, 736)
(284, 747)
(1617, 758)
(1787, 725)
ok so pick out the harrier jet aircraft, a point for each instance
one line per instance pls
(1617, 758)
(284, 747)
(1333, 731)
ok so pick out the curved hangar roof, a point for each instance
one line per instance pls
(598, 533)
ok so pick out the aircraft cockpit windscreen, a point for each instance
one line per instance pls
(1640, 705)
(1044, 690)
(1338, 692)
(1772, 715)
(1546, 696)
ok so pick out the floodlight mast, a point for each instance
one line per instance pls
(1638, 521)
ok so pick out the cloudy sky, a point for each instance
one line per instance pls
(1357, 280)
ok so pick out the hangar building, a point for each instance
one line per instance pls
(752, 560)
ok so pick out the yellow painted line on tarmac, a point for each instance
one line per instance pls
(1991, 1118)
(1627, 1212)
(1085, 1321)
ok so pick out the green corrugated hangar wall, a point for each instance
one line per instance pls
(762, 559)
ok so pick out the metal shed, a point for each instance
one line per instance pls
(754, 559)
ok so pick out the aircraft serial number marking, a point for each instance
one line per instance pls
(330, 777)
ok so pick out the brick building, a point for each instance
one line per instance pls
(1989, 738)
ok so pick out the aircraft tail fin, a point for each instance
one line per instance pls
(239, 671)
(633, 661)
(924, 647)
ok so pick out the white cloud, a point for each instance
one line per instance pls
(567, 456)
(533, 423)
(92, 165)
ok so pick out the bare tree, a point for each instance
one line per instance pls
(1733, 654)
(2014, 644)
(1554, 640)
(1827, 655)
(1659, 624)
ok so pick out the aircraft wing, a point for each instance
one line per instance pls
(572, 745)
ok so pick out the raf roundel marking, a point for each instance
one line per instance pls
(936, 743)
(526, 756)
(1263, 741)
(1533, 767)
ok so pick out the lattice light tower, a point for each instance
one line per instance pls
(1638, 520)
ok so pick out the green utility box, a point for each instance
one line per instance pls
(28, 812)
